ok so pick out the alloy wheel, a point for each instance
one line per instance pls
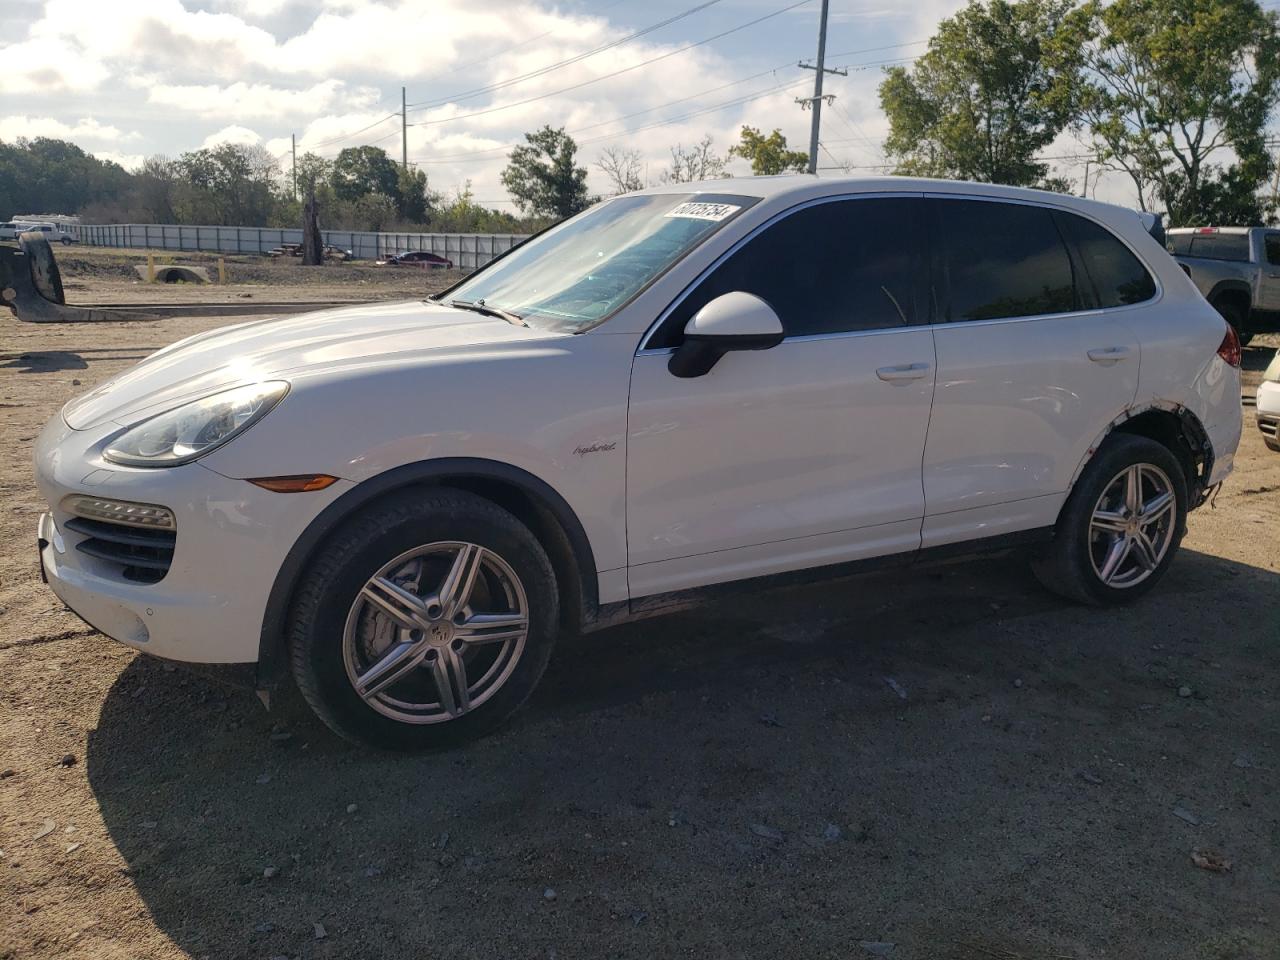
(1132, 525)
(436, 632)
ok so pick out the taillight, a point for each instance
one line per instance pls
(1229, 349)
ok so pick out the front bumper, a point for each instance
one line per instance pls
(1268, 412)
(232, 538)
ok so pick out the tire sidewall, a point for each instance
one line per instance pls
(1116, 454)
(322, 634)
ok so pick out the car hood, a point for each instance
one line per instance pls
(272, 349)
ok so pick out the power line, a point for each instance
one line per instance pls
(615, 73)
(503, 84)
(493, 152)
(354, 133)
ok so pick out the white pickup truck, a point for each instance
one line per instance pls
(1237, 269)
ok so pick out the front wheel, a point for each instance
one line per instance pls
(424, 622)
(1121, 526)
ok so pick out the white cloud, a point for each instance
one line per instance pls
(232, 134)
(12, 127)
(46, 65)
(130, 161)
(244, 101)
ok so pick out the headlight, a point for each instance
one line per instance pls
(192, 430)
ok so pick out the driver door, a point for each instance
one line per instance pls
(805, 454)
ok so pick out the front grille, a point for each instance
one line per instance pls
(143, 555)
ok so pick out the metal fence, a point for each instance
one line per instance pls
(468, 251)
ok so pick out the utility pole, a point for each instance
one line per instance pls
(815, 102)
(1084, 192)
(404, 133)
(293, 138)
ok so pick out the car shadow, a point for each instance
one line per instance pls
(933, 757)
(51, 361)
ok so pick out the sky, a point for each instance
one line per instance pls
(126, 79)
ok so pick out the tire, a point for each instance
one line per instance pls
(1075, 564)
(66, 241)
(339, 628)
(1238, 319)
(44, 268)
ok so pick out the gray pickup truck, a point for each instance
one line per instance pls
(1237, 269)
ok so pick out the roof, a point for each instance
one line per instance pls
(800, 187)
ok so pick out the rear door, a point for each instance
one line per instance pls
(1030, 367)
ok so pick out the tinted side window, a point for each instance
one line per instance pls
(1273, 248)
(1117, 276)
(830, 268)
(1001, 260)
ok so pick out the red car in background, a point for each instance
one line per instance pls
(418, 258)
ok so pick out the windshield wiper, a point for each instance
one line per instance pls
(479, 306)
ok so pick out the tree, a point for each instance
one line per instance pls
(1168, 84)
(698, 162)
(984, 99)
(622, 167)
(53, 176)
(542, 178)
(769, 155)
(314, 175)
(232, 183)
(359, 171)
(411, 196)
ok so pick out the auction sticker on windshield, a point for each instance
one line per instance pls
(703, 211)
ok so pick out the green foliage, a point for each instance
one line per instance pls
(228, 184)
(984, 100)
(359, 171)
(461, 214)
(543, 177)
(769, 155)
(1166, 85)
(53, 176)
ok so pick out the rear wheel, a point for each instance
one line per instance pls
(425, 622)
(1238, 317)
(1121, 526)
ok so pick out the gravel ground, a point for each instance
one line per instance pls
(947, 763)
(104, 275)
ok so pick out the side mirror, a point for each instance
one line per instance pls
(734, 321)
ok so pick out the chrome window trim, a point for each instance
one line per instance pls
(742, 241)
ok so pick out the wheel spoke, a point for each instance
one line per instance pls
(1156, 507)
(1133, 488)
(450, 672)
(456, 589)
(1144, 551)
(1116, 554)
(398, 661)
(403, 606)
(492, 627)
(1110, 520)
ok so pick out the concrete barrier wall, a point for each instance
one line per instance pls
(468, 251)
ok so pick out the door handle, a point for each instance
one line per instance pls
(1109, 355)
(907, 371)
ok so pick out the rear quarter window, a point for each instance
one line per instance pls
(1116, 276)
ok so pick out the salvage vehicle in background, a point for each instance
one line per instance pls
(1237, 269)
(417, 258)
(405, 504)
(1268, 404)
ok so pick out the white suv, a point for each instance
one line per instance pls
(406, 503)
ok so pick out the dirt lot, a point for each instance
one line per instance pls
(743, 781)
(102, 275)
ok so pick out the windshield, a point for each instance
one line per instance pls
(576, 274)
